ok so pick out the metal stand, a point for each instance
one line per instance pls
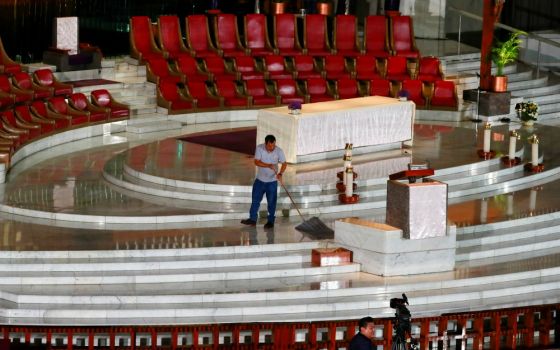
(477, 119)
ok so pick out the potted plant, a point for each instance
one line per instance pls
(502, 54)
(527, 112)
(278, 6)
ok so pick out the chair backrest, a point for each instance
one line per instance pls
(101, 97)
(286, 87)
(414, 88)
(365, 64)
(197, 32)
(401, 33)
(380, 87)
(334, 63)
(396, 65)
(22, 80)
(40, 108)
(226, 32)
(345, 32)
(79, 101)
(226, 88)
(245, 64)
(255, 87)
(375, 38)
(255, 31)
(445, 89)
(315, 32)
(5, 83)
(316, 86)
(429, 65)
(285, 31)
(9, 116)
(215, 64)
(170, 33)
(347, 88)
(187, 65)
(304, 63)
(58, 104)
(44, 77)
(275, 63)
(23, 112)
(168, 90)
(159, 66)
(197, 89)
(142, 34)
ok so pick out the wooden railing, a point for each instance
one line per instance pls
(527, 327)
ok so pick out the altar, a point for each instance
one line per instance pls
(322, 129)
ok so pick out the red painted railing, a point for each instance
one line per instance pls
(527, 327)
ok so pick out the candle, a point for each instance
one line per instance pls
(347, 164)
(483, 211)
(512, 141)
(509, 210)
(487, 133)
(532, 200)
(534, 140)
(348, 150)
(349, 182)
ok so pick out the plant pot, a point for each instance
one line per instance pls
(324, 8)
(499, 83)
(277, 8)
(528, 122)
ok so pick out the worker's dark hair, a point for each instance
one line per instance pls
(364, 322)
(269, 139)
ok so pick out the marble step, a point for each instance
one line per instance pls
(549, 116)
(143, 109)
(549, 108)
(544, 99)
(537, 91)
(461, 57)
(157, 276)
(524, 84)
(142, 128)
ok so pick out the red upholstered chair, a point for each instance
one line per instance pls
(345, 40)
(170, 37)
(415, 90)
(318, 90)
(142, 43)
(305, 67)
(335, 67)
(23, 81)
(204, 99)
(58, 105)
(24, 114)
(157, 69)
(275, 67)
(429, 69)
(20, 96)
(366, 68)
(444, 95)
(231, 95)
(379, 87)
(198, 36)
(40, 110)
(256, 35)
(79, 102)
(288, 91)
(315, 38)
(376, 37)
(7, 65)
(397, 69)
(9, 140)
(169, 96)
(227, 35)
(216, 67)
(23, 135)
(346, 88)
(103, 98)
(45, 78)
(34, 130)
(261, 95)
(245, 66)
(189, 67)
(402, 37)
(7, 99)
(285, 35)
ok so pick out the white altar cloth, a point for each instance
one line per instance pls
(328, 126)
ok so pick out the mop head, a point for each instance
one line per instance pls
(315, 227)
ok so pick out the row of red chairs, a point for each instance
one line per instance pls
(198, 95)
(186, 68)
(383, 37)
(20, 87)
(27, 122)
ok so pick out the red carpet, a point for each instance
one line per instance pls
(91, 82)
(242, 141)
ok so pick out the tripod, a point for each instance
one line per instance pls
(402, 339)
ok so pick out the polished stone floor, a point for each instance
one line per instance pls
(69, 179)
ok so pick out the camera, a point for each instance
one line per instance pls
(401, 324)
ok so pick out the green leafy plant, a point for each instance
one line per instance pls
(506, 52)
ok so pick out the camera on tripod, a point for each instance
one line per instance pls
(401, 325)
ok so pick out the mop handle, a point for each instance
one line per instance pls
(290, 196)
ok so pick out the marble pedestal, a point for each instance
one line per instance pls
(382, 250)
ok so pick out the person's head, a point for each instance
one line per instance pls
(367, 327)
(270, 142)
